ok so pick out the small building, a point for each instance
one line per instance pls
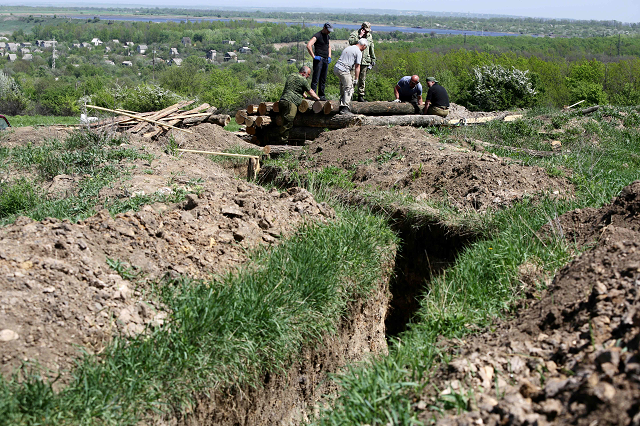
(142, 49)
(3, 45)
(291, 61)
(77, 45)
(12, 57)
(115, 41)
(129, 43)
(86, 45)
(174, 51)
(174, 61)
(107, 49)
(12, 47)
(3, 38)
(108, 62)
(96, 41)
(230, 57)
(25, 50)
(48, 44)
(27, 57)
(244, 49)
(211, 55)
(127, 63)
(231, 42)
(186, 41)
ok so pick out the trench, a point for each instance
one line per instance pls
(425, 251)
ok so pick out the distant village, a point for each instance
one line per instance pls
(25, 51)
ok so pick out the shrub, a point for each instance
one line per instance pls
(494, 87)
(12, 100)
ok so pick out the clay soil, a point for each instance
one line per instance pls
(411, 161)
(571, 356)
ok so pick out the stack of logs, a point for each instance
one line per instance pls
(315, 117)
(154, 123)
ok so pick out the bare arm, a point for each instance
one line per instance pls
(310, 47)
(313, 95)
(357, 72)
(396, 91)
(426, 106)
(329, 49)
(420, 100)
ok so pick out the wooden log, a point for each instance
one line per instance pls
(241, 115)
(382, 108)
(318, 106)
(249, 120)
(404, 120)
(265, 107)
(336, 121)
(263, 120)
(275, 107)
(330, 107)
(219, 119)
(253, 109)
(305, 105)
(140, 118)
(251, 130)
(589, 110)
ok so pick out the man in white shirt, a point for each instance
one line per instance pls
(351, 57)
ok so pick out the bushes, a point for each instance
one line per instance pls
(494, 87)
(12, 100)
(141, 98)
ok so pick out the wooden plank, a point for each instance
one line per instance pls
(218, 153)
(141, 118)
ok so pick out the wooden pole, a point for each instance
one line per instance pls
(139, 118)
(218, 153)
(305, 105)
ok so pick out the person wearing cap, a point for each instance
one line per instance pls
(294, 88)
(409, 89)
(350, 58)
(437, 102)
(321, 58)
(368, 56)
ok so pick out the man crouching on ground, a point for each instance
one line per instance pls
(292, 95)
(351, 57)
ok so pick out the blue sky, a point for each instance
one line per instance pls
(620, 10)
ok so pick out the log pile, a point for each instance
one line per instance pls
(155, 123)
(314, 117)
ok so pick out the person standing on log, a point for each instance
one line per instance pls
(368, 56)
(321, 58)
(292, 95)
(409, 89)
(351, 57)
(437, 102)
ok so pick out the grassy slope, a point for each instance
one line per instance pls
(221, 333)
(483, 283)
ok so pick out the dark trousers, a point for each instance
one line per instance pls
(319, 78)
(413, 99)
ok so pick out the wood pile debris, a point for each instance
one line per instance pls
(155, 123)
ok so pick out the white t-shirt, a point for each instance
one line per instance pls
(350, 56)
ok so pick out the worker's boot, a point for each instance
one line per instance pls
(344, 110)
(361, 98)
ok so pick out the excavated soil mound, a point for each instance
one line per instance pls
(407, 159)
(57, 289)
(574, 355)
(16, 136)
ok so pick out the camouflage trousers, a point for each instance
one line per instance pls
(362, 80)
(288, 111)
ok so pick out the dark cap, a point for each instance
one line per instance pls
(328, 26)
(432, 79)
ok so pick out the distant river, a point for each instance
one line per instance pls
(379, 28)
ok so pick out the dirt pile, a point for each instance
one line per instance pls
(574, 355)
(409, 160)
(58, 288)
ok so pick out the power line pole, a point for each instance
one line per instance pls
(53, 56)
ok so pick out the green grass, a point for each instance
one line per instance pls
(41, 120)
(96, 158)
(483, 283)
(223, 334)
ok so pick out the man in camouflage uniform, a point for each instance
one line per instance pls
(368, 56)
(292, 95)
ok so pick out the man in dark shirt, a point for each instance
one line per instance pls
(437, 102)
(321, 58)
(292, 95)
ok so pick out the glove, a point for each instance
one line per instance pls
(317, 58)
(370, 66)
(328, 60)
(396, 100)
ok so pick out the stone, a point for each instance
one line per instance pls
(551, 408)
(7, 335)
(604, 391)
(232, 210)
(554, 387)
